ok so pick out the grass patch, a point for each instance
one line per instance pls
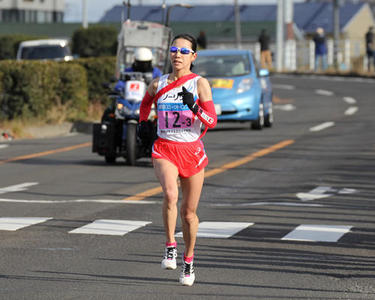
(57, 115)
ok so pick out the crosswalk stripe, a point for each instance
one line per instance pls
(12, 224)
(219, 230)
(110, 227)
(317, 233)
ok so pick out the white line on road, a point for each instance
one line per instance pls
(284, 107)
(283, 86)
(12, 224)
(324, 92)
(317, 233)
(349, 100)
(3, 146)
(110, 227)
(351, 110)
(322, 126)
(219, 230)
(119, 201)
(17, 187)
(266, 204)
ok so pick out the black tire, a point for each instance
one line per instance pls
(259, 123)
(110, 158)
(131, 144)
(268, 119)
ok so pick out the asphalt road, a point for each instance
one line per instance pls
(286, 212)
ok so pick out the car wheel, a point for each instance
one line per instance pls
(259, 123)
(268, 119)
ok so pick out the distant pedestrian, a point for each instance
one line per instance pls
(265, 52)
(201, 40)
(370, 47)
(320, 49)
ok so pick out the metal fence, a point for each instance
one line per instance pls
(300, 55)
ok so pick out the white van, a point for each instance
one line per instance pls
(49, 49)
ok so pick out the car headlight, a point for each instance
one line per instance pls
(245, 85)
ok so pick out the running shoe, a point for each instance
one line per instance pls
(187, 276)
(169, 261)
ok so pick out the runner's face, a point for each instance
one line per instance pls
(182, 61)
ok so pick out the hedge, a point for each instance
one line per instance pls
(99, 70)
(9, 44)
(95, 41)
(31, 88)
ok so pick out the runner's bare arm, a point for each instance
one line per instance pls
(145, 108)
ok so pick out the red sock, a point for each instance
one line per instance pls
(188, 259)
(171, 244)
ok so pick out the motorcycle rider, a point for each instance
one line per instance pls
(142, 63)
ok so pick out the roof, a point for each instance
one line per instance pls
(223, 52)
(307, 16)
(32, 43)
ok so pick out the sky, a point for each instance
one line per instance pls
(97, 8)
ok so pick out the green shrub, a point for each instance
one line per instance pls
(99, 70)
(9, 44)
(31, 88)
(97, 40)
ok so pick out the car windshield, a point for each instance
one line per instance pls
(222, 66)
(45, 52)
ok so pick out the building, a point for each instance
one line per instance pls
(355, 18)
(32, 11)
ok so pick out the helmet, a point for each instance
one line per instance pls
(143, 54)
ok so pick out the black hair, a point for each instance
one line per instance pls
(189, 38)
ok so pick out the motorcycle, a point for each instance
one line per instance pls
(117, 134)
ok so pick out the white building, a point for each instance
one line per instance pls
(32, 11)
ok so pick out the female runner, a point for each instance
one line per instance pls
(184, 103)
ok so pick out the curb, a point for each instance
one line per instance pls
(48, 131)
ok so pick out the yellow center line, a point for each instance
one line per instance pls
(223, 168)
(39, 154)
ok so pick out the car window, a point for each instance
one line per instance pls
(45, 52)
(222, 66)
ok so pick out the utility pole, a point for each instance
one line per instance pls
(84, 14)
(237, 24)
(336, 32)
(279, 36)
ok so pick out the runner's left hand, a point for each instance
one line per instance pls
(188, 99)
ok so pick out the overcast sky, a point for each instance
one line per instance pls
(97, 8)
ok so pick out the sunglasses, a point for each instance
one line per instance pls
(182, 50)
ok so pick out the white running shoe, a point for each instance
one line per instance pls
(187, 276)
(169, 261)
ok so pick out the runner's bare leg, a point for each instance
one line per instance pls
(191, 192)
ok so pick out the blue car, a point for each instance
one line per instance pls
(240, 91)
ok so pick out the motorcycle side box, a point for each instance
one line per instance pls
(103, 138)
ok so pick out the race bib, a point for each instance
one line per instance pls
(173, 117)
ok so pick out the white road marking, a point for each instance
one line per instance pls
(266, 204)
(283, 86)
(351, 110)
(219, 230)
(79, 201)
(349, 100)
(320, 193)
(2, 146)
(12, 224)
(322, 126)
(17, 187)
(110, 227)
(317, 233)
(347, 191)
(324, 92)
(317, 193)
(284, 107)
